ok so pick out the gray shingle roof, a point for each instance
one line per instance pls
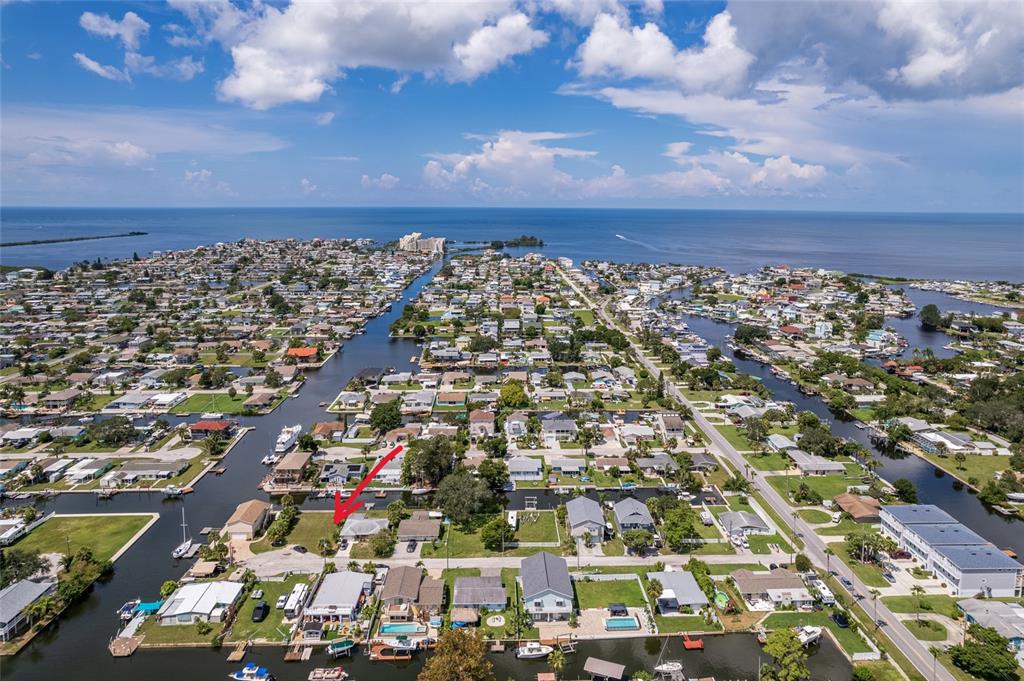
(18, 596)
(581, 510)
(543, 572)
(919, 513)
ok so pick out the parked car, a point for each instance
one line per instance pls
(889, 577)
(257, 594)
(411, 546)
(840, 619)
(298, 548)
(260, 612)
(343, 544)
(846, 582)
(281, 600)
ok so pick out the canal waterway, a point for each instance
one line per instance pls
(933, 485)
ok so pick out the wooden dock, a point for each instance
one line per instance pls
(124, 646)
(298, 653)
(239, 652)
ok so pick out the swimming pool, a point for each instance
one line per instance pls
(621, 624)
(402, 628)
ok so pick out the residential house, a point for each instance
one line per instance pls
(679, 592)
(481, 423)
(291, 469)
(340, 597)
(862, 509)
(743, 523)
(419, 527)
(584, 515)
(768, 590)
(812, 464)
(15, 600)
(631, 514)
(547, 588)
(1006, 618)
(479, 592)
(248, 520)
(525, 468)
(201, 601)
(358, 526)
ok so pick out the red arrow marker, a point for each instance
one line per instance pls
(342, 511)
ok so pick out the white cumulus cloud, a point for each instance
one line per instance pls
(129, 30)
(101, 70)
(385, 182)
(324, 118)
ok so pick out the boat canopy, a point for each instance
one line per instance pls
(151, 606)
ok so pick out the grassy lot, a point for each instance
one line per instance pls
(729, 568)
(759, 543)
(926, 630)
(467, 544)
(600, 594)
(868, 573)
(844, 527)
(827, 486)
(882, 671)
(214, 402)
(537, 526)
(157, 634)
(736, 438)
(937, 603)
(851, 641)
(104, 534)
(677, 624)
(769, 461)
(814, 516)
(983, 468)
(614, 547)
(271, 628)
(311, 527)
(585, 316)
(97, 402)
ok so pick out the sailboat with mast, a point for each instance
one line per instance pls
(186, 540)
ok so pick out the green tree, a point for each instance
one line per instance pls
(905, 490)
(496, 533)
(557, 662)
(167, 588)
(397, 512)
(382, 544)
(460, 496)
(460, 655)
(803, 563)
(637, 540)
(386, 416)
(494, 472)
(985, 655)
(513, 396)
(790, 658)
(428, 460)
(930, 317)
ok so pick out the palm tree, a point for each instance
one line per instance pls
(917, 590)
(875, 593)
(828, 558)
(557, 661)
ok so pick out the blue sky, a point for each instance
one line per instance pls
(800, 105)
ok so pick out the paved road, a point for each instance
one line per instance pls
(916, 651)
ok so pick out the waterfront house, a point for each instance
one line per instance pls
(208, 427)
(15, 600)
(672, 425)
(525, 468)
(631, 514)
(259, 401)
(291, 469)
(201, 601)
(401, 586)
(657, 464)
(248, 520)
(558, 429)
(350, 400)
(568, 466)
(339, 597)
(547, 588)
(773, 589)
(679, 592)
(584, 515)
(61, 399)
(812, 464)
(479, 592)
(780, 443)
(337, 473)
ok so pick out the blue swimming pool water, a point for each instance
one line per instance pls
(621, 623)
(401, 628)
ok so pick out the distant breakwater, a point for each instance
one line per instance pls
(38, 242)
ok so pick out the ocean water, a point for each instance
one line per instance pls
(956, 246)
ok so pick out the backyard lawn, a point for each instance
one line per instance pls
(104, 534)
(599, 594)
(537, 526)
(311, 527)
(759, 543)
(467, 544)
(677, 624)
(850, 640)
(814, 516)
(159, 634)
(269, 629)
(212, 402)
(768, 461)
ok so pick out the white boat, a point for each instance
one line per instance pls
(214, 415)
(270, 459)
(808, 634)
(419, 491)
(172, 491)
(287, 439)
(186, 541)
(669, 668)
(533, 651)
(252, 672)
